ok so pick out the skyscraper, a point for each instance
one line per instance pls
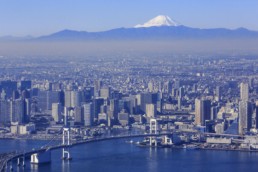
(97, 103)
(151, 110)
(105, 92)
(245, 117)
(88, 114)
(113, 109)
(76, 98)
(97, 86)
(67, 98)
(56, 111)
(218, 93)
(78, 114)
(25, 85)
(9, 86)
(4, 111)
(244, 91)
(202, 111)
(17, 111)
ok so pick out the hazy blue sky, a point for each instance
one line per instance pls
(39, 17)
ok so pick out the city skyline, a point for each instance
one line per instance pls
(37, 18)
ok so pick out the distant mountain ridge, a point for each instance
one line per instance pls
(143, 33)
(159, 28)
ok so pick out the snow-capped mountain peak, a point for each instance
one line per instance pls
(160, 20)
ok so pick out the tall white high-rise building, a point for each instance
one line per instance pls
(245, 117)
(202, 111)
(105, 92)
(244, 91)
(88, 114)
(57, 112)
(151, 110)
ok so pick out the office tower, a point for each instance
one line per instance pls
(148, 98)
(123, 118)
(202, 111)
(150, 86)
(244, 117)
(181, 92)
(78, 114)
(177, 84)
(251, 82)
(88, 93)
(151, 110)
(25, 94)
(214, 112)
(67, 98)
(57, 111)
(103, 109)
(128, 105)
(4, 112)
(244, 91)
(27, 108)
(160, 86)
(97, 103)
(66, 114)
(62, 98)
(42, 100)
(25, 85)
(168, 87)
(174, 92)
(17, 111)
(16, 95)
(116, 95)
(114, 109)
(105, 92)
(138, 99)
(76, 98)
(52, 97)
(97, 86)
(46, 98)
(88, 114)
(218, 93)
(9, 86)
(179, 103)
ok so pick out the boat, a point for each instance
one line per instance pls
(166, 142)
(191, 147)
(150, 142)
(253, 147)
(129, 141)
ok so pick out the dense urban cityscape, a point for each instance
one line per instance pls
(207, 94)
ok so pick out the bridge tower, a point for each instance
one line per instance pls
(153, 130)
(66, 143)
(153, 126)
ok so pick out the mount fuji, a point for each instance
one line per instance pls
(160, 20)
